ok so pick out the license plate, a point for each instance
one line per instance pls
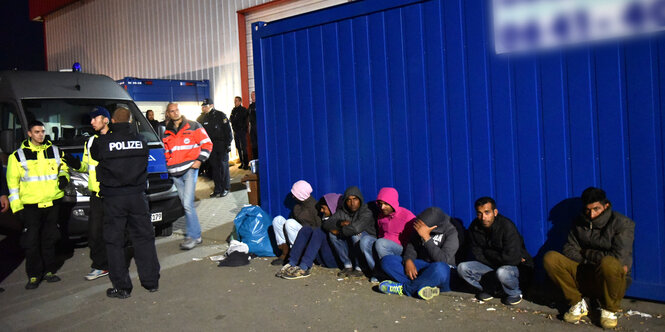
(155, 217)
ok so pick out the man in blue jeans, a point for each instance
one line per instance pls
(186, 145)
(346, 227)
(496, 246)
(428, 257)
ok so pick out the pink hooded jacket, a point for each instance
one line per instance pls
(397, 225)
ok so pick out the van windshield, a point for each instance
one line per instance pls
(67, 121)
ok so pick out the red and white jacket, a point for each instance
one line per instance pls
(185, 145)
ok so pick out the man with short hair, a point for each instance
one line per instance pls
(219, 130)
(36, 177)
(496, 246)
(186, 145)
(123, 173)
(239, 124)
(596, 259)
(99, 119)
(150, 115)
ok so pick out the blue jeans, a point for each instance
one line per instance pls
(342, 246)
(507, 275)
(310, 244)
(435, 274)
(366, 248)
(186, 185)
(381, 247)
(385, 247)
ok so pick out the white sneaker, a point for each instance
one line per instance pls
(608, 319)
(94, 274)
(190, 243)
(576, 312)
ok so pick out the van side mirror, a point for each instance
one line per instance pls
(161, 129)
(7, 141)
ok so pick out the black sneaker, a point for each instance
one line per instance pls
(482, 296)
(356, 274)
(215, 194)
(512, 300)
(33, 283)
(224, 193)
(50, 277)
(277, 261)
(117, 293)
(345, 272)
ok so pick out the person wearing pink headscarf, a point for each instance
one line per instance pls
(303, 213)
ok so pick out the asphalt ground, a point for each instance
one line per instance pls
(197, 295)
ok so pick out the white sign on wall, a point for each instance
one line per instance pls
(523, 25)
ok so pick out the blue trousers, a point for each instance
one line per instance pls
(435, 274)
(310, 244)
(507, 275)
(347, 248)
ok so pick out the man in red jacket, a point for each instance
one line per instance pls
(187, 145)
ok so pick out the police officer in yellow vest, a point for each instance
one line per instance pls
(36, 177)
(99, 119)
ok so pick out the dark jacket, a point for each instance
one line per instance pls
(251, 111)
(3, 184)
(306, 213)
(443, 242)
(218, 128)
(123, 161)
(239, 119)
(500, 244)
(611, 234)
(361, 221)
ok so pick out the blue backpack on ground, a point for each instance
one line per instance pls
(251, 225)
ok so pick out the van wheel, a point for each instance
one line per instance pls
(164, 230)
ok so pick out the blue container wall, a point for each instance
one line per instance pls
(410, 94)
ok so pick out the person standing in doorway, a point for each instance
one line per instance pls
(239, 124)
(253, 137)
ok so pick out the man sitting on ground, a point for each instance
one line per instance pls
(497, 246)
(596, 259)
(428, 257)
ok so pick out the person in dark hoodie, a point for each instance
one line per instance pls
(424, 269)
(303, 213)
(393, 229)
(596, 259)
(311, 243)
(496, 246)
(347, 226)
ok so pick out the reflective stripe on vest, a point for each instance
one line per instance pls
(24, 163)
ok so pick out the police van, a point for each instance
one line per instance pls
(63, 101)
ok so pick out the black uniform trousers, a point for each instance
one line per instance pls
(130, 212)
(40, 234)
(219, 167)
(240, 138)
(95, 234)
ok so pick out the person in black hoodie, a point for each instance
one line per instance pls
(122, 173)
(239, 123)
(424, 269)
(347, 226)
(496, 246)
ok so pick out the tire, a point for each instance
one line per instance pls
(164, 230)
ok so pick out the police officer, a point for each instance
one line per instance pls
(99, 119)
(122, 173)
(219, 129)
(36, 177)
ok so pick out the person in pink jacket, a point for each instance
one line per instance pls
(393, 233)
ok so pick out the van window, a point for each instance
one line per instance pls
(9, 121)
(67, 121)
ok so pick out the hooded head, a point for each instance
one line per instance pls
(331, 201)
(353, 199)
(389, 196)
(301, 190)
(433, 216)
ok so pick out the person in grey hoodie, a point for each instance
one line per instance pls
(424, 269)
(347, 226)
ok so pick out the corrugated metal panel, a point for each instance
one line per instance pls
(409, 94)
(277, 13)
(168, 39)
